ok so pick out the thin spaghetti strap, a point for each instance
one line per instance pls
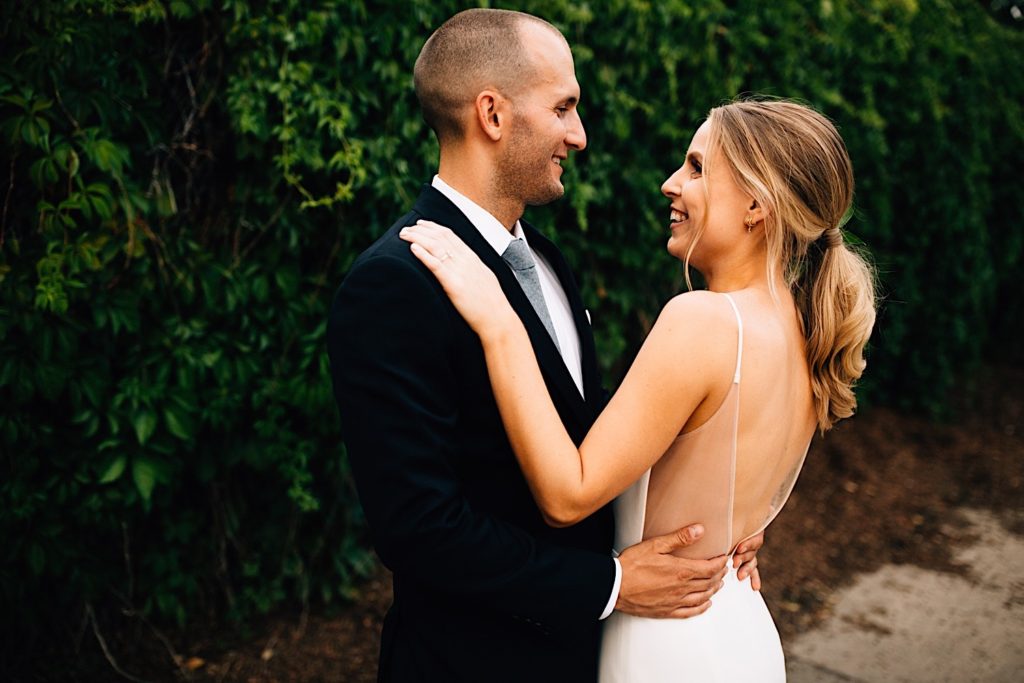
(739, 344)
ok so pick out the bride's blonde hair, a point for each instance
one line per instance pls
(792, 160)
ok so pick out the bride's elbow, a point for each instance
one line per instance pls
(560, 516)
(563, 504)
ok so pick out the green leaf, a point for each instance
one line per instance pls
(15, 100)
(145, 424)
(144, 474)
(43, 172)
(178, 424)
(107, 155)
(114, 470)
(31, 132)
(40, 105)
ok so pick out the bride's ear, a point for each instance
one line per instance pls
(756, 213)
(492, 111)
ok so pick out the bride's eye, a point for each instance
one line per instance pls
(696, 167)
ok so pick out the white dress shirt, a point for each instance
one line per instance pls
(554, 296)
(498, 236)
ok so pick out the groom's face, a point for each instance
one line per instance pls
(545, 122)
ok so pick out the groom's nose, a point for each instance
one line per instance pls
(575, 136)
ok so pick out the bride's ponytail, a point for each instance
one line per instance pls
(792, 160)
(835, 294)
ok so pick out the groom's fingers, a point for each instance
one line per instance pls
(657, 583)
(699, 598)
(687, 612)
(680, 538)
(710, 584)
(700, 574)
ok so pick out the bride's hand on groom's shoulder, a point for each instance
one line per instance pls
(471, 286)
(657, 584)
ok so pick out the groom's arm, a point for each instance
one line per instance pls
(391, 353)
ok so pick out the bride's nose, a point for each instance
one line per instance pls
(672, 186)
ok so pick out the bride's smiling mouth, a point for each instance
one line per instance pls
(676, 217)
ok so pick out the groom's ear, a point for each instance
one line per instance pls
(491, 112)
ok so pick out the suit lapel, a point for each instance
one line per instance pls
(588, 355)
(435, 206)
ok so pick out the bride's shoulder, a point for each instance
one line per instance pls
(690, 336)
(699, 307)
(689, 321)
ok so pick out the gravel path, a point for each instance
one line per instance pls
(905, 624)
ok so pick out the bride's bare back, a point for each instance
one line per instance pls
(733, 466)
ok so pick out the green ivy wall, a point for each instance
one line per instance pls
(184, 184)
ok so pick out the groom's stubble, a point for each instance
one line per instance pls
(523, 171)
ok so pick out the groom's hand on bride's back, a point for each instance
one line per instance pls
(657, 584)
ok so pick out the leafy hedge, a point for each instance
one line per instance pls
(185, 183)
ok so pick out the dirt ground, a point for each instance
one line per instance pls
(881, 488)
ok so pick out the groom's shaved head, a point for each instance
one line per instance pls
(474, 50)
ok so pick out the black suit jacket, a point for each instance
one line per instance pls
(484, 589)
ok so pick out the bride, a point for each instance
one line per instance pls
(714, 418)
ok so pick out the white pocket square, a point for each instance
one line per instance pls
(587, 311)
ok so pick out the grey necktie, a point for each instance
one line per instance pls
(518, 256)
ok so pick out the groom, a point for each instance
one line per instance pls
(484, 590)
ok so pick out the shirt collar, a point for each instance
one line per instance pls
(487, 225)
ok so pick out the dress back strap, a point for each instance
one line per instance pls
(739, 344)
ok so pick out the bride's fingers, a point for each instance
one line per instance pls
(436, 232)
(441, 242)
(420, 234)
(431, 225)
(444, 236)
(742, 556)
(755, 580)
(432, 263)
(426, 241)
(747, 550)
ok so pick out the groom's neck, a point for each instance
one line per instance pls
(473, 178)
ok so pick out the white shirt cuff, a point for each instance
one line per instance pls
(615, 591)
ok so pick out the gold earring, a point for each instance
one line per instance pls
(750, 223)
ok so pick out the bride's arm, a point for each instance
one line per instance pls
(663, 387)
(669, 379)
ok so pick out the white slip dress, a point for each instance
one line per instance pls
(696, 481)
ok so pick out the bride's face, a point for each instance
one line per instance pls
(706, 204)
